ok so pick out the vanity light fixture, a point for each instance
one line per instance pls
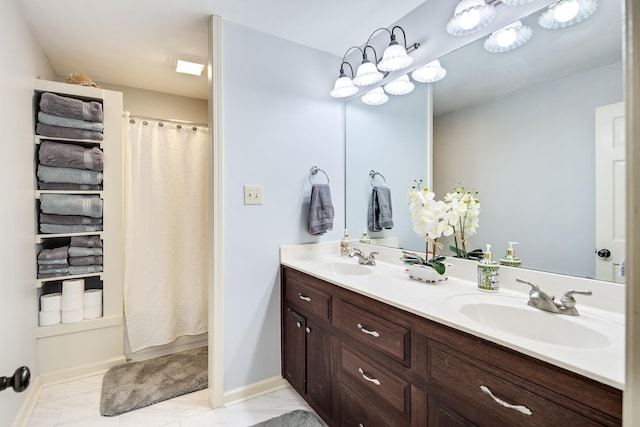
(188, 67)
(344, 86)
(395, 56)
(429, 73)
(470, 16)
(508, 38)
(375, 97)
(564, 13)
(367, 73)
(400, 86)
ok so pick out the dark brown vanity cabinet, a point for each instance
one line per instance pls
(360, 362)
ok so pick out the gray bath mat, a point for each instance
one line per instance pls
(135, 385)
(297, 418)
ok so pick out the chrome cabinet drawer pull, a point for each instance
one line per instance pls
(304, 298)
(519, 408)
(372, 333)
(368, 378)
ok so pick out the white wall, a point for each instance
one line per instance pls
(278, 121)
(509, 158)
(21, 61)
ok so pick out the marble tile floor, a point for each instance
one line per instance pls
(77, 404)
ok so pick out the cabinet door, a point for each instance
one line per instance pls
(294, 350)
(319, 367)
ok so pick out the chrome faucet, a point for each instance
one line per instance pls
(541, 300)
(362, 259)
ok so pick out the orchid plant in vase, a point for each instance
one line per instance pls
(464, 219)
(430, 219)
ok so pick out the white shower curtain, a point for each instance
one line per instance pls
(167, 223)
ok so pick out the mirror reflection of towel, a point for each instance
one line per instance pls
(321, 211)
(380, 214)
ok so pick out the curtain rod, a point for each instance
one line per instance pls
(128, 115)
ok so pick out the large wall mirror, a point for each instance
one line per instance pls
(520, 128)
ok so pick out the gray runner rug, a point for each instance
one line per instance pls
(297, 418)
(135, 385)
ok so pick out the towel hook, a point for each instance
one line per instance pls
(372, 175)
(314, 170)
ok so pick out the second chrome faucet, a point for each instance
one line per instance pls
(541, 300)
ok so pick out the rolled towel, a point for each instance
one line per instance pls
(321, 212)
(68, 219)
(85, 260)
(86, 241)
(70, 156)
(67, 186)
(72, 108)
(50, 119)
(380, 214)
(71, 204)
(70, 133)
(85, 269)
(54, 253)
(82, 251)
(63, 229)
(68, 175)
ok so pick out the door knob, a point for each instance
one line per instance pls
(19, 381)
(603, 253)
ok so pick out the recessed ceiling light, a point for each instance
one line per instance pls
(189, 67)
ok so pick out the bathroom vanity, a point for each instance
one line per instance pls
(361, 356)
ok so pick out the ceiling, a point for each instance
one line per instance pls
(136, 43)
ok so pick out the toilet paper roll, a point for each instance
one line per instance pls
(50, 302)
(73, 287)
(71, 302)
(48, 318)
(93, 312)
(72, 316)
(92, 297)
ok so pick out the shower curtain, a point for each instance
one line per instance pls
(167, 223)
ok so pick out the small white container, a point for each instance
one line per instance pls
(425, 273)
(48, 318)
(50, 302)
(72, 316)
(93, 312)
(92, 297)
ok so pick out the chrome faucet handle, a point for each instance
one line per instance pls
(534, 287)
(371, 255)
(355, 251)
(569, 301)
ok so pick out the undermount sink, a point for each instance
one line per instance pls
(513, 316)
(344, 268)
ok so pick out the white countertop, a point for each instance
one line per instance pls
(601, 358)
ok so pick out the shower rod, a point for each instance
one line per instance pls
(179, 123)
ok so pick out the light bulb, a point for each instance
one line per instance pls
(506, 37)
(469, 18)
(566, 10)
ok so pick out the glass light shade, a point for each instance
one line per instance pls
(400, 86)
(429, 73)
(367, 74)
(394, 58)
(508, 38)
(375, 97)
(567, 12)
(470, 16)
(343, 87)
(515, 2)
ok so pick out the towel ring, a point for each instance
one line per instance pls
(372, 175)
(314, 170)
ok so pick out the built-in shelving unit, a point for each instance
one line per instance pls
(70, 349)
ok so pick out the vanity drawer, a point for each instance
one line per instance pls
(382, 334)
(515, 400)
(307, 296)
(376, 381)
(358, 412)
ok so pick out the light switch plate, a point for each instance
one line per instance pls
(253, 194)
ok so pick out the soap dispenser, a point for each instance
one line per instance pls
(365, 237)
(345, 244)
(488, 273)
(510, 259)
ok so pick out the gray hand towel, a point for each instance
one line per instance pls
(49, 274)
(71, 204)
(69, 123)
(72, 108)
(54, 253)
(83, 251)
(63, 229)
(59, 262)
(68, 175)
(66, 186)
(70, 133)
(85, 260)
(380, 214)
(68, 220)
(321, 211)
(70, 156)
(85, 269)
(86, 241)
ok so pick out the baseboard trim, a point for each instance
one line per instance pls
(254, 390)
(81, 371)
(28, 404)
